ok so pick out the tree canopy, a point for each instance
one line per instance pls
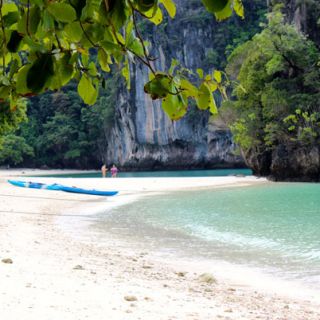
(277, 90)
(46, 44)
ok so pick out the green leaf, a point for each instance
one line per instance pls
(189, 89)
(62, 11)
(34, 46)
(73, 31)
(34, 20)
(22, 24)
(170, 7)
(92, 69)
(217, 75)
(204, 96)
(212, 106)
(174, 63)
(4, 80)
(63, 72)
(78, 5)
(66, 69)
(104, 60)
(136, 47)
(159, 86)
(119, 13)
(87, 90)
(21, 80)
(111, 47)
(40, 72)
(8, 7)
(214, 6)
(174, 105)
(10, 19)
(132, 42)
(95, 32)
(14, 42)
(225, 13)
(91, 9)
(200, 73)
(129, 32)
(213, 86)
(157, 17)
(47, 21)
(145, 5)
(125, 71)
(238, 8)
(4, 92)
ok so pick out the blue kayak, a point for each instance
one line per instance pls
(59, 187)
(35, 185)
(88, 191)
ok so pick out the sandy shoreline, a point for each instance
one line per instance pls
(55, 275)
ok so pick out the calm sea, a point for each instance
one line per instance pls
(275, 227)
(179, 173)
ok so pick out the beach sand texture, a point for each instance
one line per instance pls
(47, 273)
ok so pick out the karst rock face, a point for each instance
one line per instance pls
(143, 137)
(287, 163)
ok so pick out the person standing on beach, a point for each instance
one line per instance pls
(104, 170)
(114, 171)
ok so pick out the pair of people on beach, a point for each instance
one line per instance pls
(113, 170)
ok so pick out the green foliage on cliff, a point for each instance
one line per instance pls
(277, 89)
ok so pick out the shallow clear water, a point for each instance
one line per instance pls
(272, 227)
(177, 173)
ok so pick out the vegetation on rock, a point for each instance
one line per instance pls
(277, 95)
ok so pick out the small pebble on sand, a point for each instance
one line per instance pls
(7, 260)
(130, 298)
(78, 267)
(207, 278)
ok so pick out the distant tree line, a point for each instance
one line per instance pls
(61, 131)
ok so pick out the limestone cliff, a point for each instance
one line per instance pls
(143, 136)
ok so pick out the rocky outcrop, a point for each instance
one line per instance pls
(296, 163)
(143, 137)
(304, 14)
(287, 163)
(259, 161)
(291, 161)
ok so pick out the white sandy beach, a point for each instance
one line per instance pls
(55, 275)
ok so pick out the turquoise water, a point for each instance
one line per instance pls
(273, 227)
(178, 173)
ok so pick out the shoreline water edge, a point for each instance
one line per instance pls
(51, 267)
